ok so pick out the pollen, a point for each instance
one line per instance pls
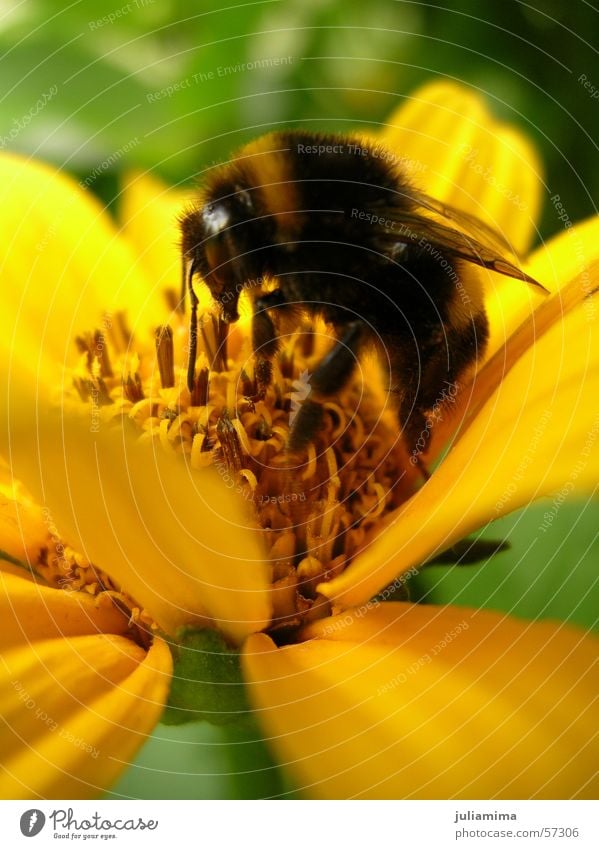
(64, 568)
(317, 509)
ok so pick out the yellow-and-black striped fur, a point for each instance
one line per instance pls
(335, 222)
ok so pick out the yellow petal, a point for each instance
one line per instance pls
(572, 253)
(75, 712)
(23, 529)
(535, 434)
(523, 334)
(177, 540)
(31, 611)
(149, 211)
(508, 303)
(63, 266)
(413, 701)
(458, 153)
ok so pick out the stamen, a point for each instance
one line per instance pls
(229, 442)
(83, 348)
(264, 430)
(132, 388)
(93, 389)
(120, 334)
(64, 568)
(199, 393)
(318, 508)
(101, 354)
(165, 355)
(242, 436)
(215, 342)
(248, 386)
(95, 348)
(250, 478)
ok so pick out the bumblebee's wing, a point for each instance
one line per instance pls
(476, 242)
(479, 229)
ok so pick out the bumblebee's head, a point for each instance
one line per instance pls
(215, 242)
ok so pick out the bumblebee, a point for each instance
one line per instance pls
(335, 222)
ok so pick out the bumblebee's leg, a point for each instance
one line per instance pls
(193, 336)
(422, 406)
(332, 374)
(426, 394)
(265, 340)
(415, 378)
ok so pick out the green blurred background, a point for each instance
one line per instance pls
(160, 85)
(346, 63)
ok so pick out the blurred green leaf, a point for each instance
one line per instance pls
(193, 83)
(549, 571)
(200, 761)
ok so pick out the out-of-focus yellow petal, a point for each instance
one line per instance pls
(508, 303)
(536, 433)
(458, 153)
(414, 701)
(63, 266)
(177, 540)
(75, 710)
(31, 611)
(149, 211)
(23, 530)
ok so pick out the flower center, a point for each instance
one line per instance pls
(317, 509)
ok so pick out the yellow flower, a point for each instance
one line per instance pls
(381, 699)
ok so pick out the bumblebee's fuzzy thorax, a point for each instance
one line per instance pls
(339, 227)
